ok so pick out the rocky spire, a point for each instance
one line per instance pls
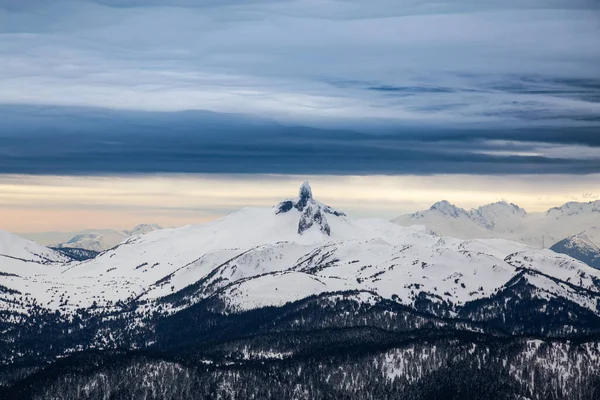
(311, 211)
(305, 190)
(304, 196)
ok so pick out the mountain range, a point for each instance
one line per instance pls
(301, 301)
(509, 221)
(96, 240)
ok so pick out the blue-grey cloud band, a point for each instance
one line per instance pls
(80, 141)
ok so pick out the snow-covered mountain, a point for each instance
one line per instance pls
(581, 248)
(500, 216)
(509, 221)
(104, 239)
(261, 257)
(574, 208)
(296, 280)
(141, 229)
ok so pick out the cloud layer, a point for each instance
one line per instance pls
(509, 63)
(81, 141)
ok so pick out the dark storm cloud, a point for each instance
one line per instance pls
(75, 141)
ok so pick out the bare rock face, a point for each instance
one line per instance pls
(312, 212)
(304, 196)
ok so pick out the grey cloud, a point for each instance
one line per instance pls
(41, 141)
(499, 62)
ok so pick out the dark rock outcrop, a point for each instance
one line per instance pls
(312, 213)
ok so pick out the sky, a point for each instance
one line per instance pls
(70, 203)
(117, 112)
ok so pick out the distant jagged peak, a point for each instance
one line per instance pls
(490, 215)
(446, 208)
(441, 204)
(311, 211)
(574, 208)
(499, 208)
(141, 229)
(503, 204)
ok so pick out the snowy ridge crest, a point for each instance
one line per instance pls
(574, 208)
(507, 220)
(446, 208)
(312, 212)
(581, 248)
(104, 239)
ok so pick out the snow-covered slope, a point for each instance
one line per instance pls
(104, 239)
(260, 257)
(581, 248)
(16, 247)
(509, 221)
(296, 280)
(21, 261)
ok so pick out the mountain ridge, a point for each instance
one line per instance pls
(282, 286)
(509, 221)
(258, 249)
(97, 240)
(580, 247)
